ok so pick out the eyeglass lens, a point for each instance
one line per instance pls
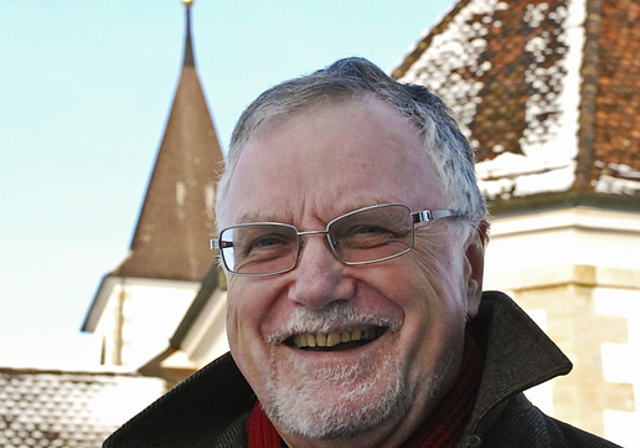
(363, 236)
(260, 248)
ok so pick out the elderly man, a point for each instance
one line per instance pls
(352, 237)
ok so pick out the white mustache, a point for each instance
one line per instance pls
(335, 317)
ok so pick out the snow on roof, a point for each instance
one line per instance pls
(69, 409)
(536, 87)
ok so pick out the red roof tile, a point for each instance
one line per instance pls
(545, 90)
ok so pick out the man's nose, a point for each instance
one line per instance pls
(319, 278)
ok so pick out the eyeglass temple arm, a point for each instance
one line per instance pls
(215, 244)
(430, 215)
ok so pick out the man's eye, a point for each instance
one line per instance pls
(267, 241)
(267, 245)
(368, 229)
(365, 236)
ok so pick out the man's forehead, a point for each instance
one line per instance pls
(284, 213)
(332, 160)
(279, 118)
(387, 120)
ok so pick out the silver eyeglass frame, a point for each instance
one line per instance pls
(416, 217)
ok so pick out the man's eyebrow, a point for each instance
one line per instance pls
(256, 217)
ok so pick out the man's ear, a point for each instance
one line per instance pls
(474, 267)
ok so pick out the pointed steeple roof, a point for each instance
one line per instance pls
(177, 217)
(546, 92)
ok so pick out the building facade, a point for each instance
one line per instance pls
(547, 93)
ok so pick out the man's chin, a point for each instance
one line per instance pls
(335, 401)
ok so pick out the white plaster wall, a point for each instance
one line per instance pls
(620, 427)
(576, 236)
(152, 311)
(542, 395)
(544, 249)
(207, 338)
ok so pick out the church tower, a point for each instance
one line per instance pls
(139, 304)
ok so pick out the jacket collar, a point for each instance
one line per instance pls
(518, 355)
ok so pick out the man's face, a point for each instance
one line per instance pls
(409, 311)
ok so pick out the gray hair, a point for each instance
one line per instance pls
(355, 78)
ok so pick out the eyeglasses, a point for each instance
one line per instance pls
(368, 235)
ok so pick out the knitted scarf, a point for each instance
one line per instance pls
(442, 429)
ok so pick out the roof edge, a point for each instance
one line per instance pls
(424, 43)
(73, 372)
(153, 369)
(572, 198)
(98, 303)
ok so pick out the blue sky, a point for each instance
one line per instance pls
(85, 91)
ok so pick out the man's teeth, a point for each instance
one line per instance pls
(334, 338)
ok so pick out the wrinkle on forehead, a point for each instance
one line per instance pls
(350, 206)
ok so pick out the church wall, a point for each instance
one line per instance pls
(575, 272)
(207, 339)
(139, 318)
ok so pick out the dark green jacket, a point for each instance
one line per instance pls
(211, 407)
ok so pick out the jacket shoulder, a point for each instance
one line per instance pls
(524, 425)
(197, 412)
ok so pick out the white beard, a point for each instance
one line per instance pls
(336, 401)
(339, 401)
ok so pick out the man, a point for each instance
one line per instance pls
(352, 236)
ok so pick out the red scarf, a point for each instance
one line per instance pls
(442, 430)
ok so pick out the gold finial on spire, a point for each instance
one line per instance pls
(187, 2)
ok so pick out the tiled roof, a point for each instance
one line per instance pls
(177, 218)
(546, 91)
(63, 409)
(616, 149)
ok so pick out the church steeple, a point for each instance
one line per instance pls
(177, 216)
(139, 303)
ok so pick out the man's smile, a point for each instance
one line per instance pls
(336, 340)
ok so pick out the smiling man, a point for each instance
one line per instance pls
(352, 236)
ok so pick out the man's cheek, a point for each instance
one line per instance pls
(430, 252)
(235, 325)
